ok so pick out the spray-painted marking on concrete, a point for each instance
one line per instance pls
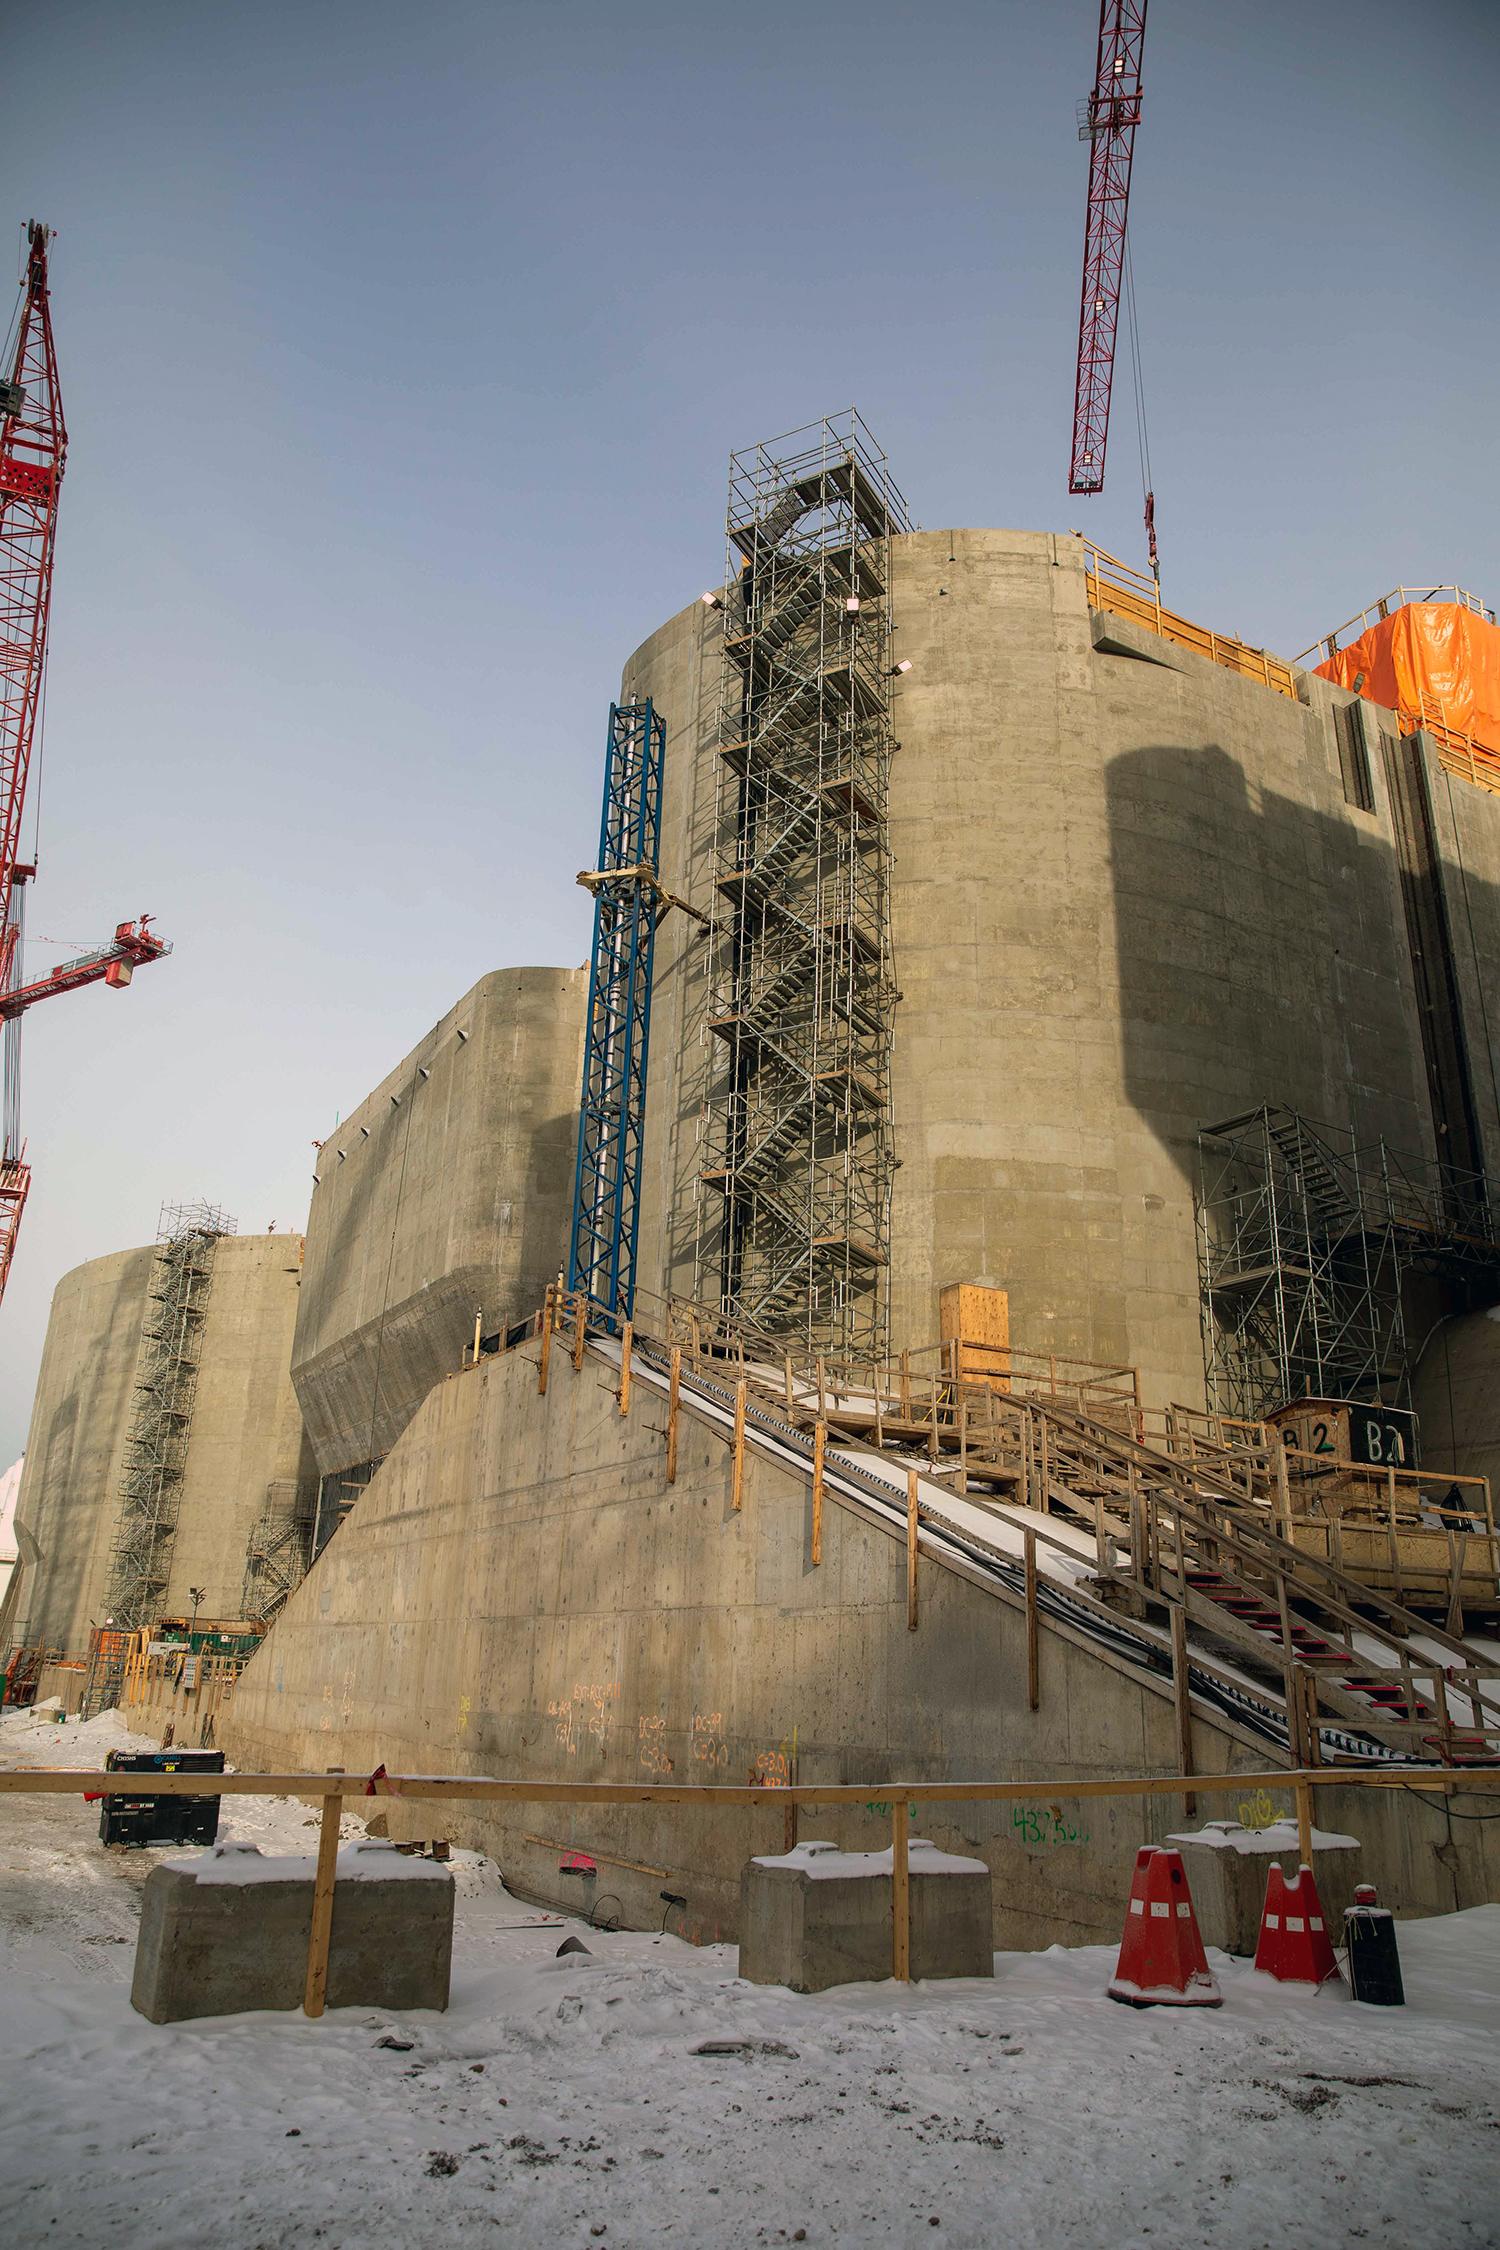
(1045, 1824)
(652, 1754)
(1260, 1811)
(584, 1716)
(709, 1746)
(772, 1770)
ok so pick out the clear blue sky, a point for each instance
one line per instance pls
(402, 350)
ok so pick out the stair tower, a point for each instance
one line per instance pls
(796, 1215)
(1305, 1237)
(166, 1379)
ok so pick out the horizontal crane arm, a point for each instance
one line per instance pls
(115, 964)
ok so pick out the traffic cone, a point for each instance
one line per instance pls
(1162, 1962)
(1294, 1944)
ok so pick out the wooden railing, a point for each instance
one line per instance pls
(334, 1787)
(1132, 594)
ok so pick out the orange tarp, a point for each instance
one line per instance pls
(1428, 660)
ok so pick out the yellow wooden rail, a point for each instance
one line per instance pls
(332, 1788)
(1131, 594)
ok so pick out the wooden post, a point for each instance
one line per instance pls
(626, 1337)
(906, 1391)
(1304, 1824)
(791, 1396)
(546, 1350)
(1046, 1448)
(961, 1413)
(737, 1475)
(1033, 1628)
(1283, 1517)
(911, 1550)
(820, 1440)
(478, 1318)
(900, 1895)
(315, 1990)
(789, 1826)
(674, 1388)
(1182, 1697)
(580, 1331)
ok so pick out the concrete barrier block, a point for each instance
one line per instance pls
(229, 1932)
(1227, 1867)
(818, 1916)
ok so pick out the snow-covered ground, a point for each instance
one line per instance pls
(569, 2101)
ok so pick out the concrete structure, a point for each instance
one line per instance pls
(520, 1592)
(1458, 1395)
(245, 1449)
(1130, 897)
(443, 1197)
(229, 1932)
(1227, 1864)
(817, 1916)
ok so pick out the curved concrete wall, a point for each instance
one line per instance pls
(1128, 899)
(445, 1194)
(245, 1441)
(1457, 1397)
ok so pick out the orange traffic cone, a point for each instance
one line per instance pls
(1162, 1962)
(1294, 1944)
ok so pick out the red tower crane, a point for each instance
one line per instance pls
(1108, 121)
(33, 450)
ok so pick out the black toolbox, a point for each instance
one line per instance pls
(139, 1819)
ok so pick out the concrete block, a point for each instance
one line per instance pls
(1227, 1867)
(818, 1916)
(228, 1932)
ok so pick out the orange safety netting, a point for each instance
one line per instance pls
(1428, 661)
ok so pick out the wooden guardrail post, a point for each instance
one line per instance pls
(912, 1525)
(674, 1409)
(820, 1441)
(545, 1353)
(580, 1331)
(900, 1893)
(1033, 1626)
(1304, 1822)
(1182, 1699)
(737, 1474)
(626, 1336)
(315, 1990)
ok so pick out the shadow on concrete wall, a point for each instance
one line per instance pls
(1265, 955)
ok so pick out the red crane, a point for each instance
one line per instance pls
(33, 450)
(1108, 121)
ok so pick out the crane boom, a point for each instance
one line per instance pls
(33, 449)
(114, 964)
(1112, 114)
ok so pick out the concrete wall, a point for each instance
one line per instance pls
(520, 1593)
(1457, 1394)
(1128, 899)
(65, 1515)
(245, 1435)
(445, 1193)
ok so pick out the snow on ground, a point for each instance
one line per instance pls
(563, 2102)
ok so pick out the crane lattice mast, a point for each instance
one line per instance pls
(1108, 122)
(33, 450)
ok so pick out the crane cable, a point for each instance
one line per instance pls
(1142, 436)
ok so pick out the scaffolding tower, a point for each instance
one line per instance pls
(1305, 1239)
(628, 904)
(279, 1550)
(166, 1379)
(796, 1223)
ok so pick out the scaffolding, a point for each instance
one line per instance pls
(166, 1378)
(280, 1549)
(628, 903)
(796, 1220)
(1306, 1237)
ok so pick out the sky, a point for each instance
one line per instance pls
(402, 351)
